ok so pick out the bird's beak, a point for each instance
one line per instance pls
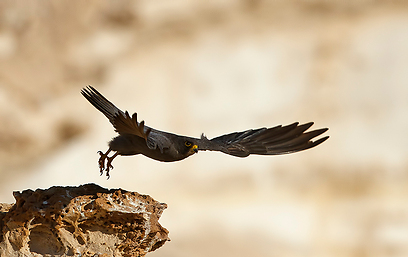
(195, 148)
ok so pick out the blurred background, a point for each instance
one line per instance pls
(216, 67)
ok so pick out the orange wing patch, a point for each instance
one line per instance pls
(124, 124)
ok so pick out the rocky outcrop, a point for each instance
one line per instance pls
(81, 221)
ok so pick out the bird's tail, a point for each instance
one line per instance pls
(101, 103)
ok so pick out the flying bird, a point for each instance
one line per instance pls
(137, 138)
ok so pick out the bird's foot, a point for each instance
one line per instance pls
(101, 162)
(109, 164)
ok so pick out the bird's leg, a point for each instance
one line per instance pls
(101, 160)
(109, 163)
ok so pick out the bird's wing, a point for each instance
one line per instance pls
(124, 124)
(121, 121)
(265, 141)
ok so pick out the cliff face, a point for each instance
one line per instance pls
(86, 221)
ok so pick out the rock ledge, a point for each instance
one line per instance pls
(87, 220)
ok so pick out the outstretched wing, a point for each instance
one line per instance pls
(265, 141)
(121, 121)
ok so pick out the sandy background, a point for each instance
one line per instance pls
(216, 67)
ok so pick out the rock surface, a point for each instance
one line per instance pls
(87, 220)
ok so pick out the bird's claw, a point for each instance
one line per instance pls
(109, 165)
(101, 162)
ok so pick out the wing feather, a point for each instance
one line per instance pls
(124, 124)
(121, 121)
(265, 141)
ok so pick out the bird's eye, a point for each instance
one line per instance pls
(188, 144)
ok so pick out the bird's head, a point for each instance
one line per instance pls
(190, 147)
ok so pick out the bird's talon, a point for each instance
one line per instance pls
(102, 159)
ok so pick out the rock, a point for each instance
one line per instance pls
(87, 220)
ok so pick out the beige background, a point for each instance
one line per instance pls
(216, 67)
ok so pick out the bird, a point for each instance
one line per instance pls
(136, 138)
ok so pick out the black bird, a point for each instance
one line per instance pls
(136, 138)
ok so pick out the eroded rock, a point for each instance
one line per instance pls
(81, 221)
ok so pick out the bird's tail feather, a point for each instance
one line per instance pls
(101, 103)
